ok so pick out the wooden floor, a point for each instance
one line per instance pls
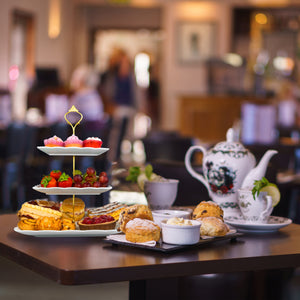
(18, 283)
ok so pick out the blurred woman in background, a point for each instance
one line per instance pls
(86, 98)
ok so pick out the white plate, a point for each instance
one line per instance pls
(66, 233)
(72, 190)
(273, 224)
(72, 151)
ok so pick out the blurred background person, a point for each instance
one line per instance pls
(86, 98)
(118, 88)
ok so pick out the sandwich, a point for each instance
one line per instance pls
(73, 210)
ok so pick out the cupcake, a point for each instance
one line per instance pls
(54, 141)
(92, 142)
(73, 141)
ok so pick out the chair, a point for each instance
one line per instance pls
(120, 136)
(118, 132)
(166, 145)
(19, 141)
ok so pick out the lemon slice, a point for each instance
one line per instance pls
(142, 178)
(141, 181)
(272, 191)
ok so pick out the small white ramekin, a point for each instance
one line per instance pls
(165, 214)
(181, 234)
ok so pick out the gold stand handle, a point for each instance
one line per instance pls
(73, 109)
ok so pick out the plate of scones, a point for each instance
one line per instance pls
(137, 229)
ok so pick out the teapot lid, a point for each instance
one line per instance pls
(230, 144)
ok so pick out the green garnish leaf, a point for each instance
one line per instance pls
(258, 185)
(134, 172)
(148, 171)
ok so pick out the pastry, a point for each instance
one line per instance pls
(48, 223)
(54, 141)
(73, 141)
(131, 212)
(103, 222)
(113, 209)
(27, 224)
(68, 224)
(69, 212)
(207, 209)
(37, 209)
(93, 142)
(212, 226)
(45, 203)
(142, 230)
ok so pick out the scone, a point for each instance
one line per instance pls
(212, 226)
(142, 230)
(207, 209)
(135, 211)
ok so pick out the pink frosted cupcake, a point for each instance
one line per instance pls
(73, 141)
(54, 141)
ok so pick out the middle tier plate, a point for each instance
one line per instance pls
(72, 151)
(72, 190)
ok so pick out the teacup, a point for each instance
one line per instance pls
(161, 194)
(255, 210)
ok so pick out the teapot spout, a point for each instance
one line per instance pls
(259, 171)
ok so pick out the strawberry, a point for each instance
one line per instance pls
(55, 174)
(65, 180)
(48, 182)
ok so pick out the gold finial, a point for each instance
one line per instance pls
(73, 109)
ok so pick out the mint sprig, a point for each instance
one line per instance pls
(134, 173)
(258, 185)
(148, 171)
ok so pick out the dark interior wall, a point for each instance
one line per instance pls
(123, 17)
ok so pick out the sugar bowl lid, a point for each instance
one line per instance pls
(230, 144)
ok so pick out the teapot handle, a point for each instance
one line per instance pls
(188, 165)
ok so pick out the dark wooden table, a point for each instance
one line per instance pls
(77, 261)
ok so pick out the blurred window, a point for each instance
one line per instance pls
(141, 69)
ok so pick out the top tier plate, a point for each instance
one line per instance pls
(72, 151)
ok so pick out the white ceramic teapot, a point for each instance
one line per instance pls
(226, 168)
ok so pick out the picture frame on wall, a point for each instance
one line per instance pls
(196, 41)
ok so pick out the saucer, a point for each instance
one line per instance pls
(273, 224)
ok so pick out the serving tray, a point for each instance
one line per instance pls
(168, 248)
(66, 233)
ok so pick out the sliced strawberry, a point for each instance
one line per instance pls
(65, 180)
(55, 174)
(48, 182)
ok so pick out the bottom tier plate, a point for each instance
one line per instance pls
(66, 233)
